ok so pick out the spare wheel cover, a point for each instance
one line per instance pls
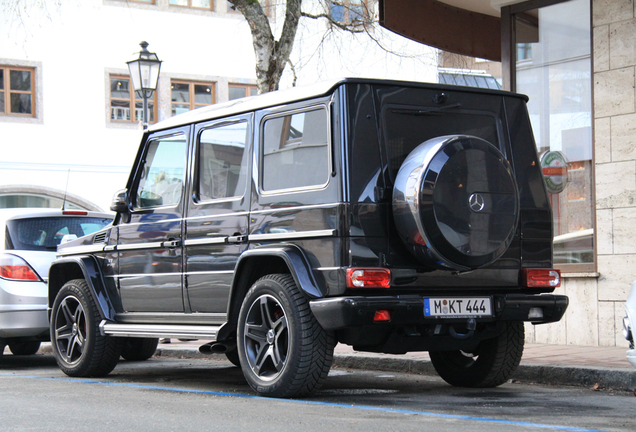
(456, 203)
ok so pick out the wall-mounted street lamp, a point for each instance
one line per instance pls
(144, 73)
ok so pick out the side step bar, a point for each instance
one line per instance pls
(158, 330)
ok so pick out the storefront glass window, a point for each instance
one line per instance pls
(553, 67)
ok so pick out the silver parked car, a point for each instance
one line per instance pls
(28, 243)
(629, 324)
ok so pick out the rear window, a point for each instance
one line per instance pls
(408, 126)
(296, 151)
(45, 233)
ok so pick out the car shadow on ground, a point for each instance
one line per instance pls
(24, 362)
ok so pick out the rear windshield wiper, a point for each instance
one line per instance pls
(426, 111)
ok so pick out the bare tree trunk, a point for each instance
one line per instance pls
(271, 55)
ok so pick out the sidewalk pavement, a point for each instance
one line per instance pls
(586, 366)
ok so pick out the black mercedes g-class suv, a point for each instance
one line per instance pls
(390, 216)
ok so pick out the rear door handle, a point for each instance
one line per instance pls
(236, 239)
(171, 243)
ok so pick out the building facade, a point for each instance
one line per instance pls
(69, 120)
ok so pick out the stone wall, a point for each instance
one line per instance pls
(614, 63)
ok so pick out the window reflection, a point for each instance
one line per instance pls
(348, 11)
(21, 103)
(554, 69)
(203, 94)
(17, 91)
(20, 80)
(238, 91)
(222, 161)
(123, 97)
(295, 151)
(181, 93)
(187, 96)
(161, 183)
(197, 4)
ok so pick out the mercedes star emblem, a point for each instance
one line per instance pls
(476, 202)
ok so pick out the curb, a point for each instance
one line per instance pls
(613, 379)
(610, 379)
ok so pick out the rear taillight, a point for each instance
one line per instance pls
(540, 278)
(15, 268)
(74, 213)
(382, 316)
(368, 278)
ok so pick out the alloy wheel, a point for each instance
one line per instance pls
(70, 329)
(266, 338)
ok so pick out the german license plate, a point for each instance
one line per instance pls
(457, 307)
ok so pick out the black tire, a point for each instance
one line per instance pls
(233, 357)
(493, 364)
(283, 350)
(79, 348)
(24, 348)
(138, 349)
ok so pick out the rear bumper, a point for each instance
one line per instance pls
(30, 321)
(356, 311)
(23, 309)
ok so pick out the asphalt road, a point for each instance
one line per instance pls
(164, 394)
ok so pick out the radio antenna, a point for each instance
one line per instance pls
(66, 189)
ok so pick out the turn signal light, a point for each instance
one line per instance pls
(15, 268)
(540, 278)
(368, 278)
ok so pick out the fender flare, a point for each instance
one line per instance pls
(64, 269)
(296, 261)
(299, 268)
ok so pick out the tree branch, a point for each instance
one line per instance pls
(351, 28)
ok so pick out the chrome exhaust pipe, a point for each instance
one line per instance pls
(217, 347)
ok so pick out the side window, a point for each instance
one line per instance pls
(161, 183)
(296, 151)
(222, 161)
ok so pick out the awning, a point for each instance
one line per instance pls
(442, 26)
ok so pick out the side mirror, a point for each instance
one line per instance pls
(120, 201)
(68, 238)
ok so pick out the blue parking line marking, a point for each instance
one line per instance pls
(310, 402)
